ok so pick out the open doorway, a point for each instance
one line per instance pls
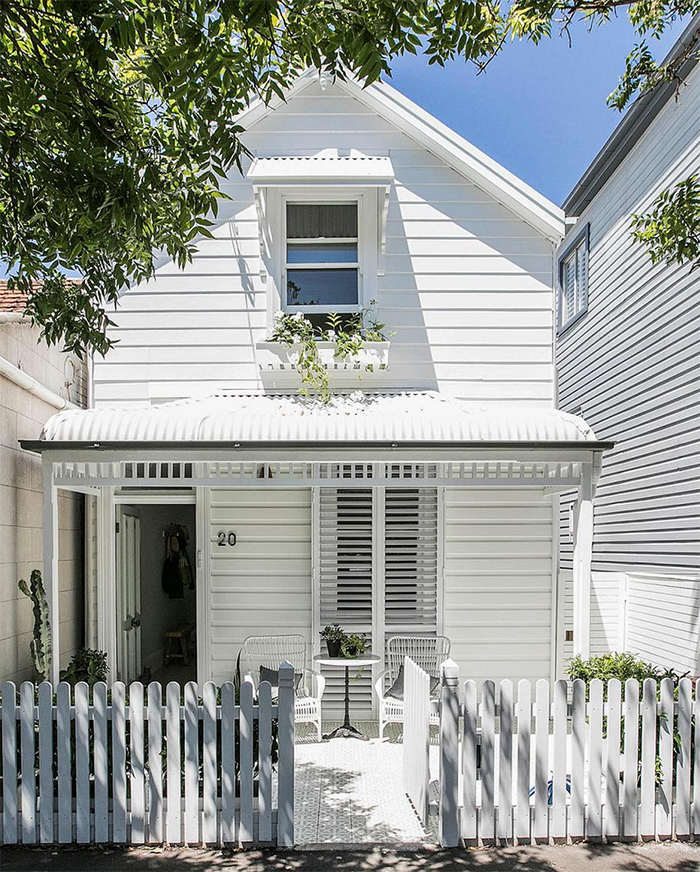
(156, 581)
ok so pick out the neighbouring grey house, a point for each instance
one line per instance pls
(627, 357)
(35, 381)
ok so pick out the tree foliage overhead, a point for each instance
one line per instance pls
(118, 117)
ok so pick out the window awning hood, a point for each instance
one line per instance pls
(353, 420)
(355, 169)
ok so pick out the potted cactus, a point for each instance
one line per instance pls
(41, 644)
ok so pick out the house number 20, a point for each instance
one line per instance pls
(227, 538)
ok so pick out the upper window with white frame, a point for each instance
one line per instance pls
(322, 261)
(573, 280)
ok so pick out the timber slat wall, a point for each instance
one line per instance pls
(97, 766)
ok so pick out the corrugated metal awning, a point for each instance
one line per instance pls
(320, 169)
(353, 419)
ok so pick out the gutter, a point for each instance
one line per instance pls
(22, 380)
(632, 126)
(41, 445)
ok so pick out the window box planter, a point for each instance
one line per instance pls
(277, 358)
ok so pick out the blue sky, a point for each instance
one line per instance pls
(538, 110)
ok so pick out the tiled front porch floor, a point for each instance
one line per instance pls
(351, 792)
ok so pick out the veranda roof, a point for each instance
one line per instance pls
(356, 420)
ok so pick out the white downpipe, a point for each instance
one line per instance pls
(16, 375)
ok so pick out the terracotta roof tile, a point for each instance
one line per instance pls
(11, 301)
(14, 301)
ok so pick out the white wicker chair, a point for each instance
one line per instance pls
(270, 651)
(427, 651)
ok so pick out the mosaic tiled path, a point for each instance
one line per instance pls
(350, 792)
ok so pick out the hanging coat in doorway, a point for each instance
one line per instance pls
(177, 568)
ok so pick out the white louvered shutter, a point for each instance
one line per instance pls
(350, 521)
(569, 290)
(346, 584)
(410, 561)
(581, 277)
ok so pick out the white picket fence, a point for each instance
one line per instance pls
(416, 737)
(108, 767)
(553, 765)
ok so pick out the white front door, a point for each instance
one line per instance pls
(128, 595)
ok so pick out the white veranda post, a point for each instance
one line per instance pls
(583, 552)
(50, 552)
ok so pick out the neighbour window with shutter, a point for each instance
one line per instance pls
(322, 259)
(573, 280)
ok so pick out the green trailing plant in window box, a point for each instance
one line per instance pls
(348, 333)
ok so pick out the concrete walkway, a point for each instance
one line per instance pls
(666, 857)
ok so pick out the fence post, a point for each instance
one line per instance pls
(285, 793)
(449, 755)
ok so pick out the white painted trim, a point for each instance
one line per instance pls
(203, 584)
(50, 554)
(440, 594)
(378, 584)
(155, 497)
(582, 558)
(90, 596)
(315, 571)
(106, 578)
(554, 622)
(519, 452)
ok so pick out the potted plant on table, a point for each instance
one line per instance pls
(333, 636)
(355, 645)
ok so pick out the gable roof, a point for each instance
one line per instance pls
(440, 140)
(634, 123)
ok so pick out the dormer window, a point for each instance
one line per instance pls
(322, 258)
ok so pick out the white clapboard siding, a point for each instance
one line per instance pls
(262, 585)
(608, 614)
(498, 582)
(630, 367)
(663, 620)
(466, 284)
(564, 762)
(219, 804)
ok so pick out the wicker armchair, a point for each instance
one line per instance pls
(427, 651)
(270, 651)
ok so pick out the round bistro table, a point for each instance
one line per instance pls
(346, 730)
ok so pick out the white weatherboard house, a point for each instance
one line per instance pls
(421, 499)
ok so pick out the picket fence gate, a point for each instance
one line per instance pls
(416, 737)
(103, 767)
(563, 764)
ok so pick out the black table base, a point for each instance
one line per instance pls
(346, 730)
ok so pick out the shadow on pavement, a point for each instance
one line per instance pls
(667, 857)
